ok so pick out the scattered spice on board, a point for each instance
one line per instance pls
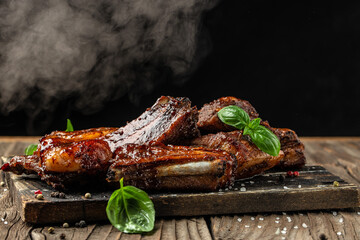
(39, 196)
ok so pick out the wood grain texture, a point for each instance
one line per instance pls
(338, 155)
(312, 190)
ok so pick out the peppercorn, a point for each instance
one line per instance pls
(336, 184)
(62, 236)
(51, 230)
(65, 225)
(296, 174)
(2, 184)
(54, 194)
(87, 195)
(39, 197)
(82, 224)
(62, 195)
(290, 173)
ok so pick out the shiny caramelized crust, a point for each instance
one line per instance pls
(22, 164)
(250, 159)
(209, 121)
(292, 146)
(172, 167)
(169, 121)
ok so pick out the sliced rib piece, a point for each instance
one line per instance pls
(250, 159)
(172, 167)
(169, 121)
(291, 145)
(209, 121)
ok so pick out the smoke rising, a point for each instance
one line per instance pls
(94, 51)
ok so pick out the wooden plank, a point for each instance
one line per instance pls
(313, 189)
(288, 225)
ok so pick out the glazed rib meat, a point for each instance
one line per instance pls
(170, 167)
(291, 145)
(209, 121)
(250, 159)
(145, 154)
(66, 157)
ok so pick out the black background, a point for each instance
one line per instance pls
(297, 63)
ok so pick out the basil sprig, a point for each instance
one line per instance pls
(130, 210)
(69, 126)
(31, 149)
(262, 137)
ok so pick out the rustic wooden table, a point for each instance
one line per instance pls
(341, 156)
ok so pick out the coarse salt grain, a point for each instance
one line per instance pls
(276, 221)
(358, 213)
(283, 238)
(341, 220)
(243, 189)
(5, 222)
(283, 213)
(259, 226)
(252, 218)
(338, 233)
(289, 219)
(2, 219)
(296, 227)
(261, 219)
(243, 185)
(304, 225)
(284, 229)
(277, 218)
(283, 232)
(285, 187)
(301, 214)
(247, 226)
(277, 231)
(239, 219)
(334, 213)
(5, 189)
(252, 182)
(299, 186)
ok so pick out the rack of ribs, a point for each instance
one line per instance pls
(162, 149)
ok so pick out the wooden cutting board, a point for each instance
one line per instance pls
(312, 190)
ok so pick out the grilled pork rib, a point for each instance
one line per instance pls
(65, 157)
(140, 151)
(169, 167)
(250, 159)
(291, 145)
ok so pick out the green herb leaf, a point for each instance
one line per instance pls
(31, 149)
(262, 137)
(69, 126)
(266, 140)
(130, 210)
(234, 116)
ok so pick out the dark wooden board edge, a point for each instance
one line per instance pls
(190, 204)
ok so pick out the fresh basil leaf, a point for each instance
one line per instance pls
(31, 149)
(255, 123)
(69, 126)
(234, 116)
(266, 140)
(130, 210)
